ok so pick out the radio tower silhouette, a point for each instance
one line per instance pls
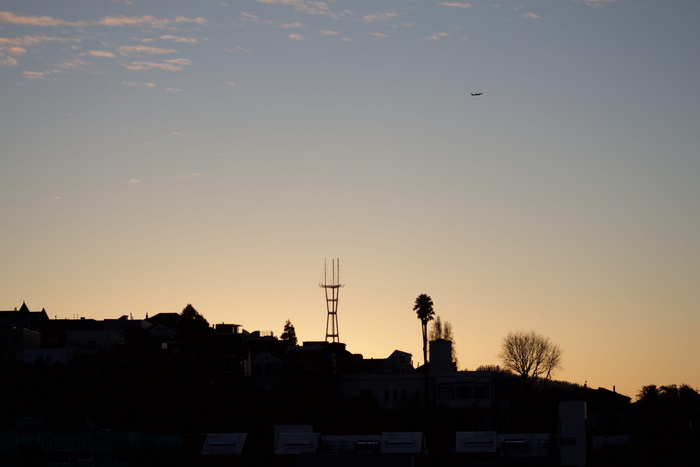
(332, 334)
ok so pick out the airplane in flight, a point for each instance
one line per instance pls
(477, 93)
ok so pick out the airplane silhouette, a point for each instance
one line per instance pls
(477, 93)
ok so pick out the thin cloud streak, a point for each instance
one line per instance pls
(115, 21)
(187, 40)
(101, 53)
(143, 49)
(457, 5)
(12, 18)
(177, 64)
(36, 40)
(378, 18)
(40, 74)
(7, 60)
(312, 8)
(599, 3)
(437, 36)
(137, 84)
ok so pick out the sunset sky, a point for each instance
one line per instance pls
(156, 153)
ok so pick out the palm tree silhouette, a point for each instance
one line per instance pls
(424, 310)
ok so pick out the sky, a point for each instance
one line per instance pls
(157, 153)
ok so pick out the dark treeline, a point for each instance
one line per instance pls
(146, 388)
(158, 392)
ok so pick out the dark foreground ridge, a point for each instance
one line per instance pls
(171, 390)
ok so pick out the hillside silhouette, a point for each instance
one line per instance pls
(176, 376)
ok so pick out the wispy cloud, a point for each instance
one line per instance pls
(122, 21)
(598, 3)
(143, 49)
(457, 4)
(147, 20)
(101, 53)
(12, 18)
(378, 17)
(8, 60)
(330, 32)
(8, 54)
(297, 37)
(238, 49)
(74, 64)
(377, 35)
(251, 18)
(14, 50)
(231, 83)
(28, 41)
(294, 3)
(137, 84)
(437, 36)
(248, 18)
(187, 40)
(306, 6)
(133, 181)
(176, 64)
(173, 133)
(530, 15)
(13, 47)
(39, 74)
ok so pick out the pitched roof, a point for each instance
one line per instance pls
(23, 318)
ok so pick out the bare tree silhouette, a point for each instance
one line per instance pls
(443, 330)
(530, 355)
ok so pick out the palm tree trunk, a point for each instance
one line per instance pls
(425, 363)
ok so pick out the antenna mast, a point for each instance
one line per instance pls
(332, 334)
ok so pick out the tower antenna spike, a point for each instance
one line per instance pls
(331, 290)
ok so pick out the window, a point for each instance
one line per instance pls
(464, 392)
(59, 457)
(121, 456)
(446, 392)
(481, 392)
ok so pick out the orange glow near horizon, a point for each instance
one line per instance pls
(193, 152)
